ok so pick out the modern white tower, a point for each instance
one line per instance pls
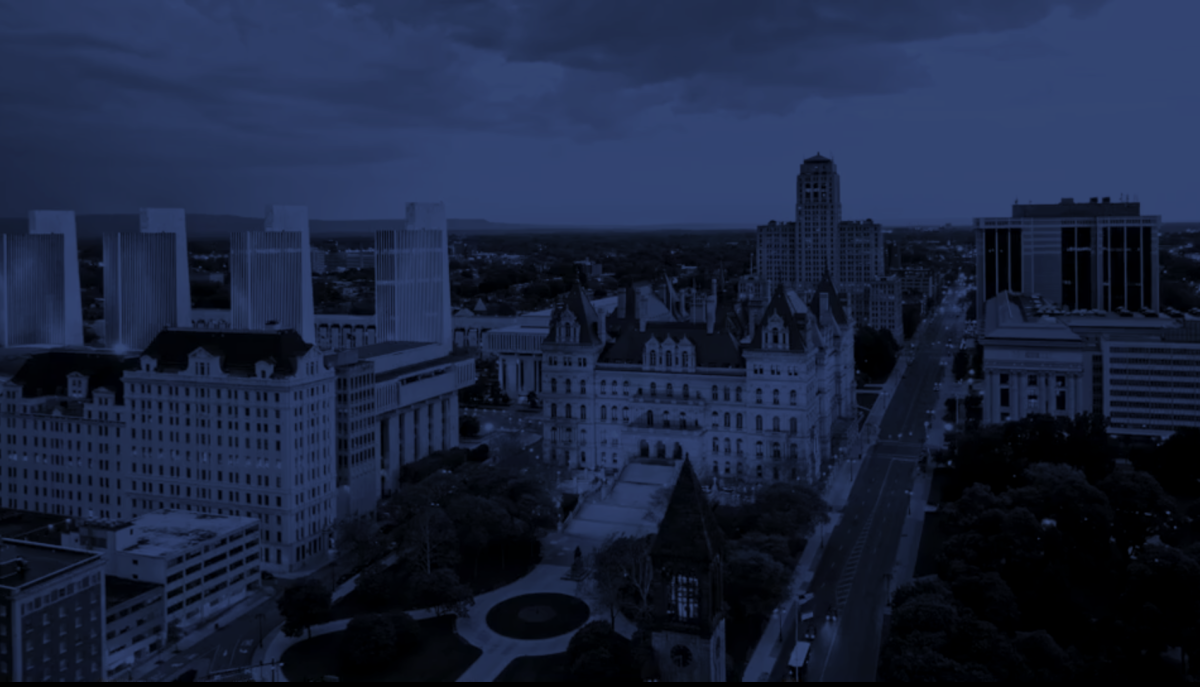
(270, 274)
(412, 278)
(146, 283)
(40, 302)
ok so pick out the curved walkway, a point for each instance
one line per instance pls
(498, 651)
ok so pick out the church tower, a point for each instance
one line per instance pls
(688, 619)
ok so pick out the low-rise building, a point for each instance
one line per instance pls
(135, 623)
(51, 613)
(206, 562)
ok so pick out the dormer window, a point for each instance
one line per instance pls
(668, 362)
(653, 358)
(685, 358)
(775, 336)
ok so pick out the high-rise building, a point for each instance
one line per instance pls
(777, 259)
(818, 214)
(146, 283)
(859, 255)
(40, 302)
(270, 274)
(1080, 256)
(412, 278)
(51, 613)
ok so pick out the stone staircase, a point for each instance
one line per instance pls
(634, 506)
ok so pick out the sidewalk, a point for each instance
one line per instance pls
(498, 651)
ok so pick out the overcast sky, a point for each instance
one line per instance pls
(596, 111)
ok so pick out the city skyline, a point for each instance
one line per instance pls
(931, 115)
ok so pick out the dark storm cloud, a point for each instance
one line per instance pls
(221, 84)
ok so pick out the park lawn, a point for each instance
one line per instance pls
(551, 668)
(442, 658)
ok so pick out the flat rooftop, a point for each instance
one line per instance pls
(41, 561)
(17, 524)
(166, 531)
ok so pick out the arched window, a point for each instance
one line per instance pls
(670, 390)
(685, 358)
(616, 415)
(716, 444)
(667, 420)
(567, 385)
(792, 397)
(653, 389)
(553, 410)
(774, 424)
(739, 420)
(583, 457)
(603, 412)
(553, 434)
(739, 447)
(726, 393)
(757, 422)
(758, 469)
(716, 419)
(757, 395)
(582, 412)
(625, 413)
(792, 425)
(774, 335)
(738, 394)
(794, 451)
(774, 396)
(553, 386)
(583, 389)
(603, 387)
(625, 386)
(685, 391)
(567, 410)
(669, 358)
(649, 418)
(653, 358)
(775, 452)
(758, 449)
(715, 397)
(726, 446)
(727, 419)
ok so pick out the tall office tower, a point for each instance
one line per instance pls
(818, 213)
(777, 259)
(1079, 256)
(412, 278)
(860, 253)
(270, 274)
(39, 283)
(146, 283)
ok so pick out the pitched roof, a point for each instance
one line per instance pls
(718, 349)
(790, 308)
(45, 374)
(239, 350)
(688, 530)
(835, 301)
(581, 308)
(818, 158)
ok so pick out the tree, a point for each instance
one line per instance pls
(439, 590)
(377, 585)
(468, 426)
(1173, 463)
(304, 605)
(1140, 507)
(480, 525)
(962, 363)
(532, 399)
(620, 566)
(754, 582)
(597, 653)
(358, 539)
(430, 540)
(368, 644)
(409, 635)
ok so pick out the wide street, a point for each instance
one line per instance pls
(853, 575)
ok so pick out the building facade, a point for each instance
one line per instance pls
(1083, 256)
(146, 280)
(219, 421)
(412, 278)
(397, 402)
(40, 300)
(1142, 373)
(754, 396)
(204, 562)
(135, 623)
(270, 274)
(818, 216)
(51, 613)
